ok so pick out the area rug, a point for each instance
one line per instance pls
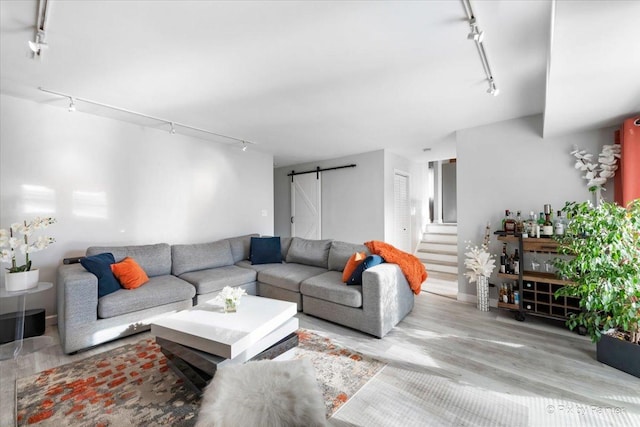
(133, 386)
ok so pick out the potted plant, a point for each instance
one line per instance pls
(603, 264)
(22, 277)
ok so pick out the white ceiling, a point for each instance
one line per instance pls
(312, 80)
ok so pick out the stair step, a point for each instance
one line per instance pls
(441, 266)
(439, 257)
(442, 228)
(440, 238)
(445, 250)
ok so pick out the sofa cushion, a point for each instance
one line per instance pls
(354, 261)
(256, 267)
(215, 279)
(370, 261)
(265, 250)
(309, 252)
(155, 260)
(160, 290)
(100, 266)
(240, 246)
(288, 276)
(329, 287)
(285, 243)
(129, 273)
(200, 256)
(339, 254)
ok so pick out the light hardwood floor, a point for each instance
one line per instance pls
(448, 364)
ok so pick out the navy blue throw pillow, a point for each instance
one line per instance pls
(100, 266)
(265, 250)
(370, 261)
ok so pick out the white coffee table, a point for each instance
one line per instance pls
(199, 340)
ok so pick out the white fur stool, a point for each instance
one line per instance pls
(265, 393)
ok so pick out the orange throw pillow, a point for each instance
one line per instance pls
(129, 273)
(354, 261)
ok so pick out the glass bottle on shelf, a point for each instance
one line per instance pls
(519, 223)
(534, 231)
(509, 223)
(558, 225)
(547, 228)
(503, 259)
(516, 262)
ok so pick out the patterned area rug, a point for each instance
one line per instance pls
(133, 386)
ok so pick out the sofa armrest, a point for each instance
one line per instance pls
(77, 297)
(386, 296)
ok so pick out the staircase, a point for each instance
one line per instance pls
(438, 250)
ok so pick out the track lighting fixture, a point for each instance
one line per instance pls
(478, 38)
(37, 46)
(74, 99)
(493, 90)
(475, 34)
(39, 42)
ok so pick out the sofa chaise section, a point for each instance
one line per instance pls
(84, 320)
(383, 300)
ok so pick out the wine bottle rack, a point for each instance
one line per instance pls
(536, 288)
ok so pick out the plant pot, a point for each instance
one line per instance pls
(620, 354)
(21, 281)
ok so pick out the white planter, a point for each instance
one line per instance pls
(15, 282)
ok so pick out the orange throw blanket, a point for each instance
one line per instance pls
(410, 265)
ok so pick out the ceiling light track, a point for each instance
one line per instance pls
(73, 100)
(477, 36)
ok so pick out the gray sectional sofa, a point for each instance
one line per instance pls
(183, 275)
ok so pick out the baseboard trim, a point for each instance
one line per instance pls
(51, 320)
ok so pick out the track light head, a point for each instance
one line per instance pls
(244, 146)
(173, 129)
(39, 44)
(72, 105)
(493, 90)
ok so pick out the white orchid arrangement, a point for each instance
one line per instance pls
(479, 262)
(597, 173)
(11, 244)
(229, 295)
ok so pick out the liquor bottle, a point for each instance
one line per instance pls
(503, 259)
(505, 292)
(516, 263)
(519, 223)
(516, 297)
(533, 230)
(510, 294)
(501, 293)
(558, 226)
(547, 227)
(509, 223)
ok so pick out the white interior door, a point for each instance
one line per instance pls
(306, 206)
(402, 217)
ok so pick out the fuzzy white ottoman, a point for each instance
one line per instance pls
(265, 393)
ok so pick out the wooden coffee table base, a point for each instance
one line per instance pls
(196, 368)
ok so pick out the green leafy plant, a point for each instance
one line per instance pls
(603, 245)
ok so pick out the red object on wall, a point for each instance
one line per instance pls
(627, 179)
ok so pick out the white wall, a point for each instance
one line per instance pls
(507, 165)
(110, 182)
(358, 203)
(352, 198)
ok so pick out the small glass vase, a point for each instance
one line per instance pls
(230, 305)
